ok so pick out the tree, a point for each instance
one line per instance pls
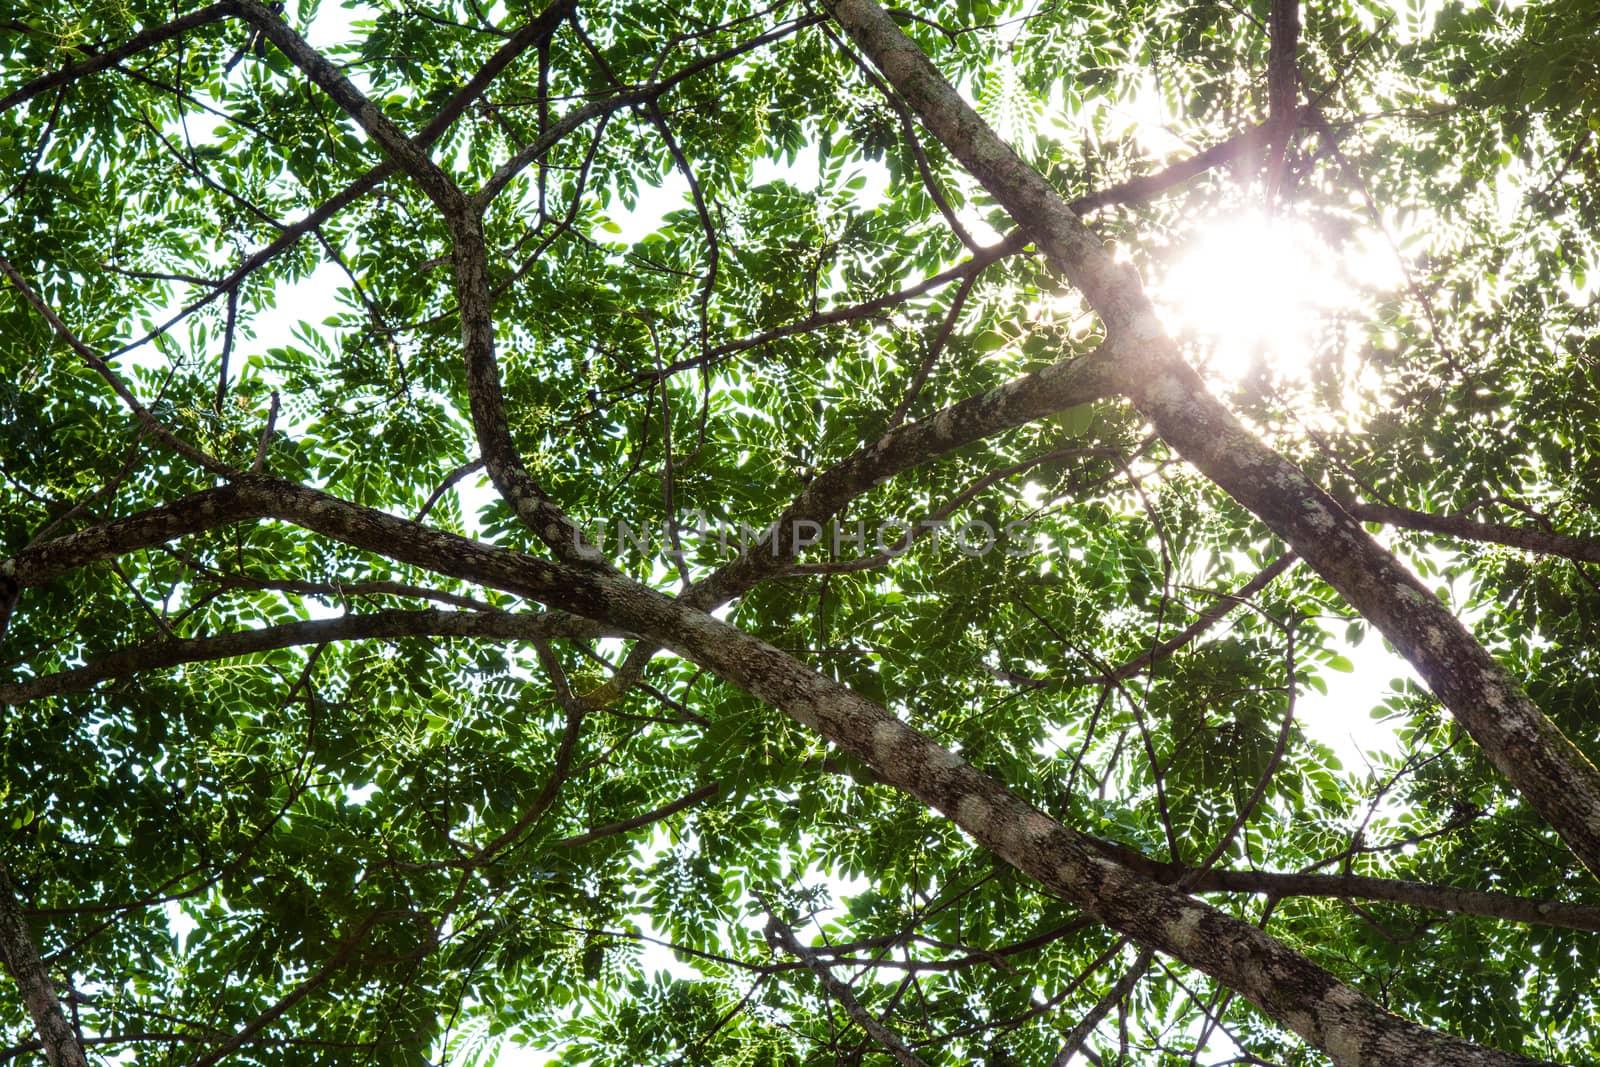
(946, 712)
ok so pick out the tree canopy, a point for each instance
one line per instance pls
(633, 533)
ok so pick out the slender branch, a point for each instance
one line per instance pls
(708, 284)
(623, 826)
(626, 97)
(1264, 779)
(304, 988)
(1505, 907)
(935, 520)
(908, 130)
(781, 936)
(343, 591)
(1487, 904)
(139, 42)
(9, 591)
(1117, 993)
(1148, 187)
(1567, 546)
(1220, 609)
(931, 357)
(287, 239)
(229, 328)
(143, 415)
(374, 626)
(1011, 244)
(450, 481)
(560, 768)
(260, 463)
(1061, 385)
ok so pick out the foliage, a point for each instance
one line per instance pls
(706, 294)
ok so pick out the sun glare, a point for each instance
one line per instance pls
(1253, 292)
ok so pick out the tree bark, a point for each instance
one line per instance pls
(60, 1041)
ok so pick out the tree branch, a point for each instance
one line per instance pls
(1220, 609)
(343, 955)
(1061, 385)
(1567, 546)
(374, 626)
(1283, 87)
(145, 418)
(139, 42)
(622, 826)
(1011, 244)
(452, 109)
(60, 1040)
(1485, 904)
(1086, 1026)
(1149, 186)
(779, 935)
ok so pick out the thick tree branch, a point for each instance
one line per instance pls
(1283, 87)
(60, 1040)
